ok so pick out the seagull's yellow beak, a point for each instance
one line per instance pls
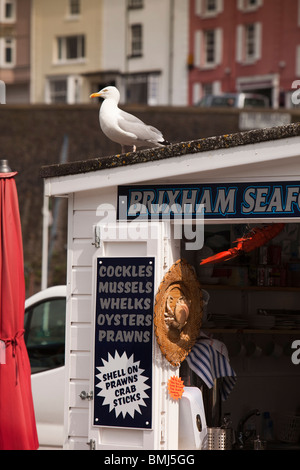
(95, 95)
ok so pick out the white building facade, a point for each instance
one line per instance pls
(145, 50)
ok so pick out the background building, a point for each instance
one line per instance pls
(15, 22)
(145, 50)
(157, 52)
(79, 46)
(244, 45)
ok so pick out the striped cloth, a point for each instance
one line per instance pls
(209, 360)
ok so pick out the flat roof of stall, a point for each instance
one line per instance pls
(205, 156)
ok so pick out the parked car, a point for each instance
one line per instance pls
(235, 100)
(45, 319)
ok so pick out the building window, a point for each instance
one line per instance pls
(58, 91)
(7, 52)
(7, 11)
(249, 5)
(136, 40)
(74, 7)
(63, 89)
(135, 4)
(153, 90)
(207, 89)
(142, 88)
(208, 8)
(249, 42)
(208, 48)
(210, 5)
(70, 48)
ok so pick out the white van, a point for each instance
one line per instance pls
(45, 319)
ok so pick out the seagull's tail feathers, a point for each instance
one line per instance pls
(157, 138)
(158, 143)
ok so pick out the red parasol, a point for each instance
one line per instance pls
(17, 420)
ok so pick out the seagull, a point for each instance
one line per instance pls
(122, 127)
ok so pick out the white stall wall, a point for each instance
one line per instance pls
(87, 209)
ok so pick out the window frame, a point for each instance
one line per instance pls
(77, 5)
(62, 49)
(250, 42)
(211, 6)
(136, 40)
(3, 16)
(247, 5)
(4, 47)
(72, 93)
(202, 8)
(135, 4)
(201, 48)
(53, 94)
(244, 42)
(210, 47)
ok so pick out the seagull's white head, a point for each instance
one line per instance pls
(109, 92)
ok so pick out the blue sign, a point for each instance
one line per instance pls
(123, 342)
(218, 201)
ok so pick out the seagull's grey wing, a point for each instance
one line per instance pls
(129, 117)
(134, 125)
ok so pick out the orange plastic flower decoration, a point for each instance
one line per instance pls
(175, 387)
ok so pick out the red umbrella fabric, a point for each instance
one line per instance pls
(17, 419)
